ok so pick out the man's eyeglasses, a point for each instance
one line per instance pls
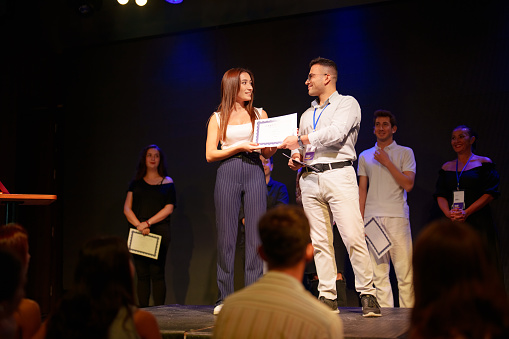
(310, 75)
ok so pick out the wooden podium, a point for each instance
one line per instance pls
(12, 201)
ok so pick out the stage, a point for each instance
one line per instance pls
(177, 321)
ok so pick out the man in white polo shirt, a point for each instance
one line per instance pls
(389, 171)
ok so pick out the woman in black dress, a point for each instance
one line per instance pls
(473, 181)
(148, 206)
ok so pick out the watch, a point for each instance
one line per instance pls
(299, 140)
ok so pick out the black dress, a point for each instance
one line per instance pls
(475, 182)
(147, 201)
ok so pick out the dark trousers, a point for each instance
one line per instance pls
(150, 271)
(237, 176)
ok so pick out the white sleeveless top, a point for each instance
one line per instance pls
(237, 134)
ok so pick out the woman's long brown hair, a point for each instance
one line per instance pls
(230, 86)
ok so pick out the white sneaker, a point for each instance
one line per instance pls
(217, 309)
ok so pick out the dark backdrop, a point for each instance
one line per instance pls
(434, 65)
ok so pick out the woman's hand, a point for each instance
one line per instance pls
(249, 147)
(267, 152)
(458, 214)
(142, 226)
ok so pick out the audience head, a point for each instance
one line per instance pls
(463, 136)
(284, 233)
(141, 170)
(15, 238)
(12, 280)
(457, 289)
(268, 165)
(104, 269)
(103, 285)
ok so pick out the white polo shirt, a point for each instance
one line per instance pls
(385, 197)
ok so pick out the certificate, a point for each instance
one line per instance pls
(271, 132)
(146, 245)
(377, 238)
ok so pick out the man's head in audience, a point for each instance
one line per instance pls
(268, 165)
(286, 243)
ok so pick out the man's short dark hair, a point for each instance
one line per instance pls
(382, 114)
(326, 63)
(284, 232)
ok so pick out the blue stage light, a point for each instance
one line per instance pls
(174, 1)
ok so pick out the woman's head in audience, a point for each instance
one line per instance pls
(104, 269)
(458, 291)
(15, 238)
(103, 285)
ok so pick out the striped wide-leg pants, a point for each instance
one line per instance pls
(235, 176)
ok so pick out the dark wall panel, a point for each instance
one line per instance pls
(434, 68)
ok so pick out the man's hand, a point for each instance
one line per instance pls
(293, 165)
(290, 142)
(382, 157)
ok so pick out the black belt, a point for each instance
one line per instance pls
(252, 158)
(329, 166)
(244, 155)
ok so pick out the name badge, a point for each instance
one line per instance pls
(459, 200)
(310, 152)
(309, 156)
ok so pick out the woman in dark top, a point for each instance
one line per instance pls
(473, 180)
(149, 203)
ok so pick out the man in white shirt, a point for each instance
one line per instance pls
(389, 171)
(277, 305)
(327, 136)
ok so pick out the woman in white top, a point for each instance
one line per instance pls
(239, 174)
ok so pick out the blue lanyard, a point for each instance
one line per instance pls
(316, 122)
(459, 176)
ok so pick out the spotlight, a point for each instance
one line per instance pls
(174, 1)
(122, 2)
(141, 2)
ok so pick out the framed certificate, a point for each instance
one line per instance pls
(377, 238)
(146, 245)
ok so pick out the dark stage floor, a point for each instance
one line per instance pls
(177, 321)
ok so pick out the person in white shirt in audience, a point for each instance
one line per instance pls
(277, 305)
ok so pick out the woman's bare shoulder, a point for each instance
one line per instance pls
(449, 166)
(146, 325)
(482, 159)
(28, 317)
(140, 316)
